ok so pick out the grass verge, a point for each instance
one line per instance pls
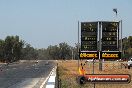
(68, 72)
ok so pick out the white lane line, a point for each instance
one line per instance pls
(42, 85)
(50, 86)
(51, 80)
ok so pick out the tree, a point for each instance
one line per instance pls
(42, 54)
(12, 48)
(29, 53)
(65, 51)
(127, 47)
(130, 41)
(17, 48)
(2, 50)
(54, 52)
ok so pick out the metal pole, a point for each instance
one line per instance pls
(93, 66)
(93, 72)
(72, 54)
(121, 39)
(117, 37)
(100, 61)
(78, 45)
(100, 23)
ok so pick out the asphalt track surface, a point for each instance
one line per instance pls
(25, 75)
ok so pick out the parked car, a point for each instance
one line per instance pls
(129, 63)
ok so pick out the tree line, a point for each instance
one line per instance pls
(127, 47)
(12, 48)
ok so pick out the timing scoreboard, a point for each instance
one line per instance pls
(89, 36)
(110, 31)
(89, 33)
(109, 40)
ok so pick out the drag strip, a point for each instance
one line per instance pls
(25, 75)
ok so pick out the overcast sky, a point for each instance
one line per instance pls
(48, 22)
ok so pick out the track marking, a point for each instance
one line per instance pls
(42, 85)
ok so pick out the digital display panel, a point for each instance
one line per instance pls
(102, 55)
(89, 32)
(89, 55)
(110, 55)
(110, 36)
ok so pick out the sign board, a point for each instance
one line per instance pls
(108, 78)
(89, 55)
(103, 55)
(110, 55)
